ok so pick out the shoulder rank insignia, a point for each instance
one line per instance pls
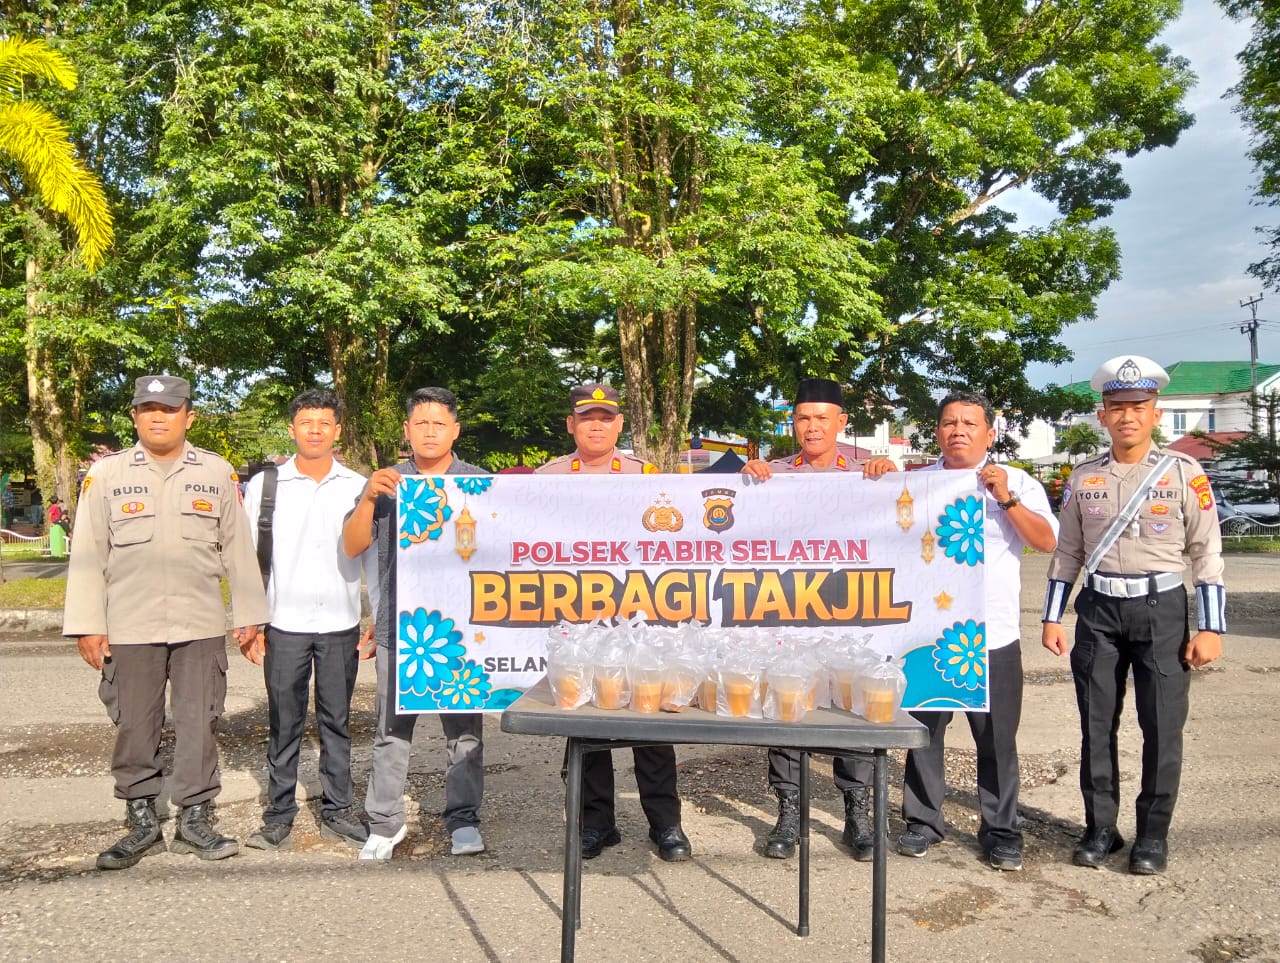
(575, 465)
(615, 466)
(650, 468)
(798, 462)
(842, 463)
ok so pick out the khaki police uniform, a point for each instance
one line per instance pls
(1132, 615)
(856, 771)
(152, 542)
(655, 765)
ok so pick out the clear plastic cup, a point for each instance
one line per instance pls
(611, 688)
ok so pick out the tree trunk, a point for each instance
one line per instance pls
(56, 469)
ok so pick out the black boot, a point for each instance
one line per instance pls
(781, 843)
(142, 839)
(196, 835)
(858, 832)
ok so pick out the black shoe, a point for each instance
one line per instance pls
(912, 843)
(1149, 857)
(781, 843)
(1096, 846)
(858, 834)
(142, 839)
(673, 844)
(595, 840)
(271, 837)
(1006, 856)
(343, 825)
(195, 834)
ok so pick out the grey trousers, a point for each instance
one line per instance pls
(464, 775)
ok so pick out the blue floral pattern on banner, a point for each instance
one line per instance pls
(960, 530)
(467, 688)
(471, 485)
(961, 654)
(424, 508)
(430, 651)
(929, 689)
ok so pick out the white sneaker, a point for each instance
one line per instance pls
(466, 841)
(381, 847)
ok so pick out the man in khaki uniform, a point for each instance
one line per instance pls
(1128, 517)
(595, 422)
(819, 419)
(158, 526)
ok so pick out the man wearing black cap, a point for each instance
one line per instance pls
(595, 422)
(1128, 518)
(158, 525)
(819, 420)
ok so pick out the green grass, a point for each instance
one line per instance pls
(1250, 544)
(33, 593)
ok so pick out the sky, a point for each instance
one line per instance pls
(1187, 232)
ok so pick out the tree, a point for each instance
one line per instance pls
(47, 179)
(1080, 439)
(1257, 451)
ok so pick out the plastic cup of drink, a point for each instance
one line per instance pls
(792, 703)
(567, 687)
(739, 691)
(646, 696)
(707, 695)
(846, 679)
(879, 704)
(611, 688)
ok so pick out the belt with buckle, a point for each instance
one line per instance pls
(1131, 587)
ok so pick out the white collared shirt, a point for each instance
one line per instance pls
(1002, 553)
(314, 587)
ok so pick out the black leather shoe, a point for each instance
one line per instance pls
(859, 833)
(1005, 856)
(195, 834)
(781, 843)
(1149, 857)
(673, 844)
(1096, 846)
(142, 839)
(595, 840)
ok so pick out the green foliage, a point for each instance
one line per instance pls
(1081, 439)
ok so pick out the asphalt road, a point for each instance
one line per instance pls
(1218, 901)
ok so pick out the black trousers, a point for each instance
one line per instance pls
(655, 778)
(133, 688)
(1149, 637)
(288, 670)
(995, 735)
(854, 771)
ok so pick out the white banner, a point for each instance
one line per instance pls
(486, 564)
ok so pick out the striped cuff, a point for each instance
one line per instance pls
(1211, 607)
(1055, 600)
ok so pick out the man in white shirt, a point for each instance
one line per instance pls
(1016, 513)
(313, 590)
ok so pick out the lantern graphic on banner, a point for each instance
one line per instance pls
(464, 534)
(906, 509)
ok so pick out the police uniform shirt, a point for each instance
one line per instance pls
(152, 543)
(616, 464)
(314, 587)
(845, 460)
(1177, 517)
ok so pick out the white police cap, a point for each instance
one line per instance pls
(1130, 377)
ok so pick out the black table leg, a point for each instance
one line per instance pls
(879, 863)
(571, 904)
(802, 928)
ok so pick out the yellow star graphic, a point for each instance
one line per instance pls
(943, 600)
(479, 636)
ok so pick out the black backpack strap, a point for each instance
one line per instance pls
(266, 511)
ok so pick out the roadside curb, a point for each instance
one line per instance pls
(31, 620)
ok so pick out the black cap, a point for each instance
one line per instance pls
(586, 397)
(166, 389)
(819, 391)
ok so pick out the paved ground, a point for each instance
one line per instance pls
(1218, 902)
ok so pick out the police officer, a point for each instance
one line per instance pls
(157, 527)
(595, 422)
(1128, 517)
(819, 420)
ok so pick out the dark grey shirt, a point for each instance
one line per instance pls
(384, 536)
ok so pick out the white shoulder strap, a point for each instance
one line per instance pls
(1121, 521)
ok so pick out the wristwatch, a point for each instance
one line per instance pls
(1013, 500)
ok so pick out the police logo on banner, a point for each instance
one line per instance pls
(718, 514)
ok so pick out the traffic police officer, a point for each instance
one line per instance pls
(595, 422)
(1128, 517)
(158, 526)
(819, 420)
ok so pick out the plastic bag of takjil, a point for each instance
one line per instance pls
(883, 685)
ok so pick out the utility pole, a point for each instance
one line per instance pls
(1251, 329)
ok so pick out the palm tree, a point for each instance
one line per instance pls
(39, 143)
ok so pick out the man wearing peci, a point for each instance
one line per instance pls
(313, 591)
(431, 427)
(158, 526)
(1017, 514)
(819, 421)
(1128, 518)
(595, 421)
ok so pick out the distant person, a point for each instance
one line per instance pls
(159, 526)
(314, 595)
(819, 419)
(55, 511)
(1129, 517)
(431, 427)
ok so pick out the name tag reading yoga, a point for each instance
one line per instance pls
(486, 564)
